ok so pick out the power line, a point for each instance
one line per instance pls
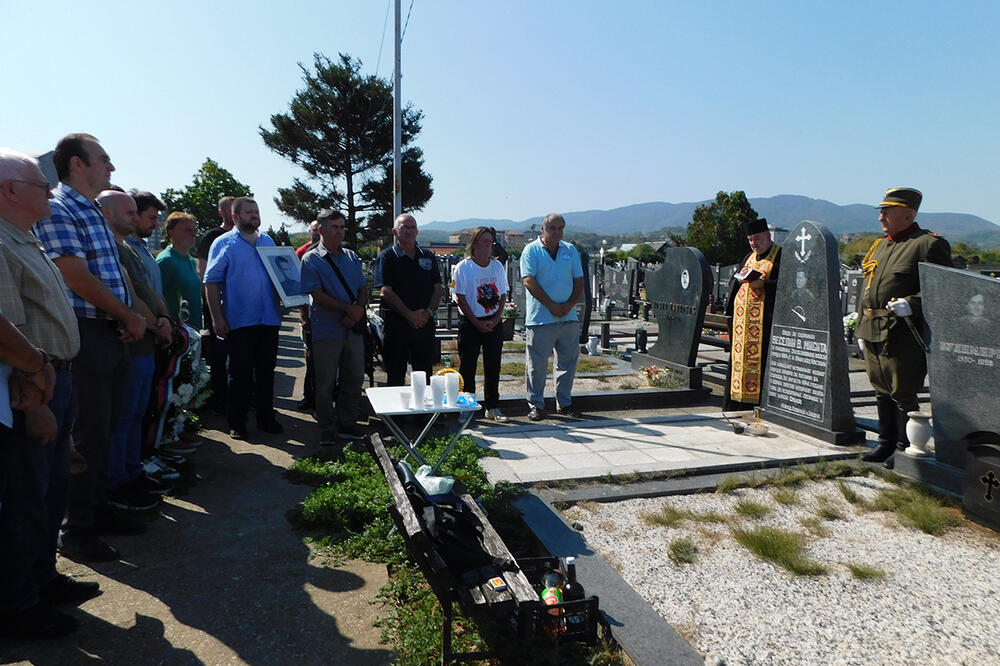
(407, 22)
(381, 43)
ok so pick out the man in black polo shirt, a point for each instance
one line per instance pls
(410, 286)
(213, 349)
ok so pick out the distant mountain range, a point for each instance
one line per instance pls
(783, 210)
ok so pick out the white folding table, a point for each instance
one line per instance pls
(387, 404)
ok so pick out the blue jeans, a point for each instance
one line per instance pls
(125, 457)
(564, 338)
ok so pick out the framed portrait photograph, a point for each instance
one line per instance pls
(285, 271)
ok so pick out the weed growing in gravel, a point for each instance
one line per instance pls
(592, 507)
(751, 509)
(683, 551)
(827, 509)
(866, 572)
(668, 516)
(887, 475)
(788, 496)
(918, 509)
(789, 477)
(781, 547)
(814, 525)
(710, 517)
(852, 496)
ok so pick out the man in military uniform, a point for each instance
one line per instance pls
(890, 319)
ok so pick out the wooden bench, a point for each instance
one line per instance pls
(469, 587)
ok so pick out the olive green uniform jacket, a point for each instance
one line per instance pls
(891, 272)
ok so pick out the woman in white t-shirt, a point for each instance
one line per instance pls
(481, 288)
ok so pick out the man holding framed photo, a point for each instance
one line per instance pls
(244, 307)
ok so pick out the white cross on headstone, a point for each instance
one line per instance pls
(803, 237)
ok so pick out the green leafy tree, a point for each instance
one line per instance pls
(201, 197)
(338, 129)
(717, 228)
(644, 252)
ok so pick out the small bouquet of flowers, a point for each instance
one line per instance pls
(655, 376)
(510, 310)
(851, 321)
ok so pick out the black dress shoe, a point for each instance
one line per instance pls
(40, 622)
(86, 548)
(535, 414)
(238, 431)
(305, 405)
(64, 590)
(880, 453)
(272, 427)
(569, 411)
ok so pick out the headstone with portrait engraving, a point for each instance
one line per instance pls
(517, 292)
(725, 274)
(963, 363)
(854, 282)
(806, 386)
(678, 293)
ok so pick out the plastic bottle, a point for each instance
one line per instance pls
(572, 590)
(553, 581)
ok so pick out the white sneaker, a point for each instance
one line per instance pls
(159, 470)
(496, 415)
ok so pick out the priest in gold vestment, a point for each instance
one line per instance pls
(751, 306)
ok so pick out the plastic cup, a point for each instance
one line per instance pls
(437, 391)
(451, 387)
(418, 383)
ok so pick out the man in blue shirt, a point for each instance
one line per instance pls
(244, 307)
(553, 279)
(338, 352)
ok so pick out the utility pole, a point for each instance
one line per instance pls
(397, 131)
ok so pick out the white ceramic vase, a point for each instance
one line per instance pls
(919, 431)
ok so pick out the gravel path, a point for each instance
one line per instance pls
(938, 603)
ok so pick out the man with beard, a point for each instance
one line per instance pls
(149, 208)
(244, 308)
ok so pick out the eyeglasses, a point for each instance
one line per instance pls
(46, 186)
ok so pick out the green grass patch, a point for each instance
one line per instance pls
(786, 495)
(591, 364)
(781, 547)
(667, 516)
(827, 508)
(710, 517)
(853, 496)
(751, 509)
(728, 484)
(866, 572)
(514, 346)
(789, 477)
(919, 509)
(682, 551)
(814, 525)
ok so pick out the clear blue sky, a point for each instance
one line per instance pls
(532, 107)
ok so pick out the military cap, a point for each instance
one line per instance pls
(902, 196)
(755, 227)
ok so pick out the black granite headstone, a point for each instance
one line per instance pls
(963, 364)
(678, 292)
(588, 298)
(854, 282)
(725, 274)
(806, 386)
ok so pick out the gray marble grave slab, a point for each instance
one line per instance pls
(806, 386)
(618, 287)
(678, 292)
(963, 364)
(854, 283)
(517, 291)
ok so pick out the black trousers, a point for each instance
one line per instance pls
(100, 377)
(470, 340)
(216, 353)
(253, 353)
(404, 344)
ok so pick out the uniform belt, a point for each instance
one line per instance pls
(878, 312)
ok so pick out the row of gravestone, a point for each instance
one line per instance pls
(806, 385)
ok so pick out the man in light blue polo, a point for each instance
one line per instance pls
(244, 307)
(553, 279)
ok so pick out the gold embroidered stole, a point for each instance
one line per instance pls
(748, 333)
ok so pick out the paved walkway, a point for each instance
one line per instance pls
(694, 439)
